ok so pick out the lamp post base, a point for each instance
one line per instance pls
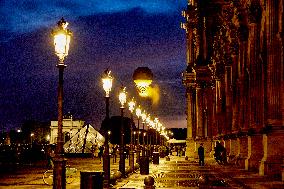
(138, 156)
(106, 168)
(122, 163)
(131, 160)
(59, 172)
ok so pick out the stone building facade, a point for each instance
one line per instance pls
(69, 128)
(234, 80)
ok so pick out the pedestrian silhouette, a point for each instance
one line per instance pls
(201, 155)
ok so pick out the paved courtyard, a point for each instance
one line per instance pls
(176, 173)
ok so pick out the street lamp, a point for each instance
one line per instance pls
(32, 135)
(156, 120)
(134, 133)
(62, 37)
(107, 85)
(122, 100)
(138, 113)
(131, 105)
(143, 116)
(148, 121)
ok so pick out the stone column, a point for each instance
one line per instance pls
(243, 37)
(274, 131)
(199, 112)
(191, 127)
(228, 91)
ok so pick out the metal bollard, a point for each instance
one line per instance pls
(91, 180)
(155, 157)
(144, 165)
(149, 182)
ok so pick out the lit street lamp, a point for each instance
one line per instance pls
(62, 37)
(134, 133)
(107, 85)
(131, 106)
(32, 135)
(143, 116)
(138, 113)
(156, 120)
(122, 100)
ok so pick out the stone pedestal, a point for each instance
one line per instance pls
(272, 159)
(190, 148)
(228, 147)
(242, 151)
(207, 147)
(233, 143)
(255, 153)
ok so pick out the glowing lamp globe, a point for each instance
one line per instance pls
(143, 78)
(62, 37)
(148, 119)
(107, 82)
(131, 105)
(122, 97)
(138, 111)
(144, 116)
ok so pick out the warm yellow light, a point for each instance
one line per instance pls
(107, 82)
(131, 105)
(143, 87)
(122, 97)
(47, 137)
(148, 119)
(144, 116)
(62, 38)
(138, 111)
(109, 132)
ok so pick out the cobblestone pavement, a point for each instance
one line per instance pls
(30, 176)
(176, 173)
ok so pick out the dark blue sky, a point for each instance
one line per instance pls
(120, 34)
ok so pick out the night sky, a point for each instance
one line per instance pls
(117, 34)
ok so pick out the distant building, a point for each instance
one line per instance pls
(69, 129)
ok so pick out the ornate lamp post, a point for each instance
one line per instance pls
(138, 113)
(143, 116)
(122, 100)
(61, 43)
(107, 85)
(131, 105)
(32, 135)
(156, 120)
(134, 133)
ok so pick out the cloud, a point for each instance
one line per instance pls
(20, 16)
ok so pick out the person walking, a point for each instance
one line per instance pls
(101, 151)
(114, 151)
(201, 155)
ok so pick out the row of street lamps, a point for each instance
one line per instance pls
(155, 124)
(62, 37)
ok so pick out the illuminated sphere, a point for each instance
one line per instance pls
(143, 77)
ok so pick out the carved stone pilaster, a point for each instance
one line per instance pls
(254, 12)
(243, 32)
(255, 152)
(273, 148)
